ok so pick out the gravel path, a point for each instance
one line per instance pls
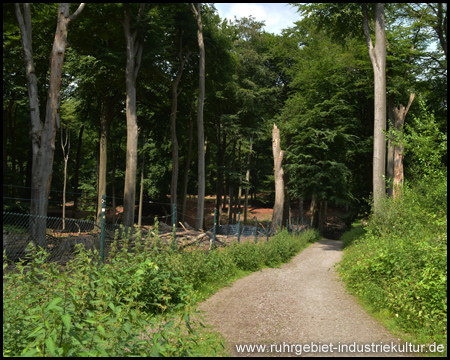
(303, 301)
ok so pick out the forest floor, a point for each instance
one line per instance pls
(302, 302)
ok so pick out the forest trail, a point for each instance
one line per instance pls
(301, 302)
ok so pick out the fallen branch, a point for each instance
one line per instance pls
(183, 226)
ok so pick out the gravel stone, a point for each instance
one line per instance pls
(301, 302)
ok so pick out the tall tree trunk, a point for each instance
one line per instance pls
(377, 55)
(43, 135)
(187, 162)
(173, 120)
(247, 178)
(200, 131)
(278, 208)
(134, 54)
(66, 158)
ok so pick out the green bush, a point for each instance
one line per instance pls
(79, 311)
(351, 236)
(85, 309)
(246, 256)
(219, 266)
(399, 261)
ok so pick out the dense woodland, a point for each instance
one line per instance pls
(161, 101)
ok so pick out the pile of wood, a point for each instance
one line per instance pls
(186, 235)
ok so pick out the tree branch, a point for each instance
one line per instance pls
(411, 98)
(78, 12)
(367, 33)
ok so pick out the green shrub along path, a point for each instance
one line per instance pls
(140, 302)
(300, 302)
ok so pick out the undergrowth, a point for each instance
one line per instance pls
(138, 303)
(398, 263)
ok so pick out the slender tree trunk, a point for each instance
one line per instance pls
(255, 176)
(231, 185)
(66, 158)
(315, 212)
(134, 54)
(113, 189)
(322, 216)
(377, 55)
(141, 192)
(173, 120)
(77, 169)
(278, 208)
(113, 180)
(224, 204)
(43, 135)
(106, 117)
(239, 193)
(247, 179)
(390, 152)
(287, 199)
(187, 162)
(200, 131)
(220, 168)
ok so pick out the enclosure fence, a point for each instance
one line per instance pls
(59, 236)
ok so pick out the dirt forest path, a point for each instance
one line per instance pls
(303, 301)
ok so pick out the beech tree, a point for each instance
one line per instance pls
(173, 116)
(377, 55)
(43, 134)
(134, 46)
(201, 136)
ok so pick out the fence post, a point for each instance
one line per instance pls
(267, 230)
(256, 230)
(287, 224)
(239, 226)
(214, 231)
(296, 229)
(173, 224)
(102, 233)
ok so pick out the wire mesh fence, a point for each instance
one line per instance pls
(22, 232)
(59, 237)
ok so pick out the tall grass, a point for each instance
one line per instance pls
(398, 263)
(140, 303)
